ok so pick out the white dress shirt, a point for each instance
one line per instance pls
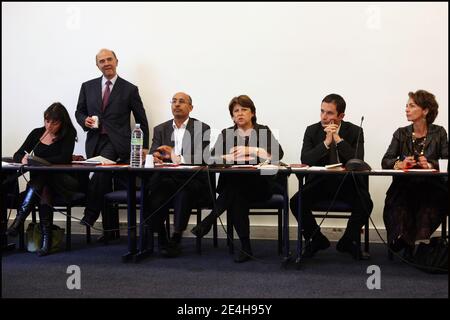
(178, 134)
(111, 86)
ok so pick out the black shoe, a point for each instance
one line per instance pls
(176, 237)
(398, 245)
(170, 250)
(318, 242)
(352, 247)
(202, 229)
(109, 236)
(13, 230)
(243, 256)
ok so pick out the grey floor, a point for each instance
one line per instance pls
(211, 275)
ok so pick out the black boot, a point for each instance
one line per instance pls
(45, 219)
(24, 210)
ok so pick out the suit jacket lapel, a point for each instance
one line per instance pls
(114, 92)
(168, 133)
(320, 137)
(343, 129)
(98, 90)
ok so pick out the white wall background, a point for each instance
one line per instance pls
(285, 56)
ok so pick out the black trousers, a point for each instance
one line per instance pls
(236, 193)
(101, 183)
(161, 188)
(325, 189)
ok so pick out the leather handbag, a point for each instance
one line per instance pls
(34, 236)
(432, 257)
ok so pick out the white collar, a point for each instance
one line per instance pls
(113, 80)
(183, 126)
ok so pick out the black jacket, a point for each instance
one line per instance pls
(314, 152)
(261, 137)
(123, 100)
(195, 140)
(436, 146)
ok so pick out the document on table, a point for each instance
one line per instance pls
(95, 161)
(316, 168)
(385, 170)
(244, 166)
(174, 165)
(299, 167)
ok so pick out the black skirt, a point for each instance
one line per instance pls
(414, 207)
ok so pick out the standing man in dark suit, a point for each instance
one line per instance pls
(331, 141)
(181, 140)
(111, 99)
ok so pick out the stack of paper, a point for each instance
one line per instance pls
(95, 161)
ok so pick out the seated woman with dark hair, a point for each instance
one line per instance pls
(414, 206)
(55, 143)
(247, 142)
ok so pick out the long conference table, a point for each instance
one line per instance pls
(135, 253)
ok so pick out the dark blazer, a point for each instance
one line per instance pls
(436, 146)
(261, 137)
(123, 100)
(195, 140)
(314, 152)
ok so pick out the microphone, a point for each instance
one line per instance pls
(356, 164)
(35, 160)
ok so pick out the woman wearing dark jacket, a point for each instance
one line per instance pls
(414, 206)
(247, 142)
(55, 143)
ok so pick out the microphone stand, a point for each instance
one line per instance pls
(356, 164)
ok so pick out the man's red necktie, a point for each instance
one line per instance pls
(106, 95)
(105, 102)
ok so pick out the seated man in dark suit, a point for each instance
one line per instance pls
(112, 100)
(331, 141)
(181, 140)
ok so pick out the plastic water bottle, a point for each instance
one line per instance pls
(137, 141)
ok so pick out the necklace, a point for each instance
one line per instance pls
(418, 145)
